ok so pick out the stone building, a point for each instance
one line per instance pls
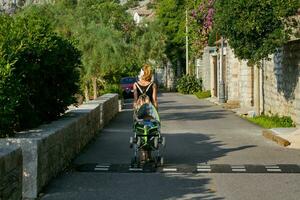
(273, 87)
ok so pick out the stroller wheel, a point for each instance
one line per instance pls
(163, 141)
(155, 141)
(138, 142)
(131, 142)
(134, 162)
(161, 161)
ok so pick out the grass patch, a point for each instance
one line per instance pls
(202, 94)
(272, 121)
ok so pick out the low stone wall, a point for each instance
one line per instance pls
(48, 149)
(10, 173)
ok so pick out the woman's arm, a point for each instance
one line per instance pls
(154, 96)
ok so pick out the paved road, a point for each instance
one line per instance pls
(217, 156)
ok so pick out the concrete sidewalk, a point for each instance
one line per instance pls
(286, 137)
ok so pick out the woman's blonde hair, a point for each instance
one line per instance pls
(147, 76)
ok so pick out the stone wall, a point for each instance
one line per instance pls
(48, 149)
(203, 69)
(239, 80)
(233, 74)
(165, 77)
(10, 173)
(281, 82)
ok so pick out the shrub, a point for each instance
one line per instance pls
(112, 88)
(39, 71)
(203, 94)
(272, 121)
(188, 85)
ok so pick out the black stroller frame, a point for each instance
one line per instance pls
(147, 142)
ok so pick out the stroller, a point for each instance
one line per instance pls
(147, 140)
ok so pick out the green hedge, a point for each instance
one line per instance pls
(38, 71)
(188, 85)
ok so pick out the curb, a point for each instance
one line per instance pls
(271, 135)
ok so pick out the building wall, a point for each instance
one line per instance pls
(233, 74)
(203, 72)
(273, 87)
(239, 82)
(281, 82)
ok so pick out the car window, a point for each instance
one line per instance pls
(127, 80)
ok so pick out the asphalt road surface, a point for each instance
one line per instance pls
(211, 154)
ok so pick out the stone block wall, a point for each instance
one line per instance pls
(281, 82)
(48, 149)
(239, 80)
(165, 77)
(204, 71)
(233, 74)
(11, 173)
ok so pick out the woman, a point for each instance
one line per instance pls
(146, 86)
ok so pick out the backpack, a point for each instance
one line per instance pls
(143, 98)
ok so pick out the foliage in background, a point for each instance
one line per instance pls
(188, 85)
(255, 29)
(112, 45)
(39, 71)
(203, 94)
(201, 23)
(112, 88)
(151, 44)
(272, 121)
(171, 16)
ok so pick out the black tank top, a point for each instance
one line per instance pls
(144, 88)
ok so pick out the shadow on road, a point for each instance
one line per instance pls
(142, 186)
(192, 115)
(193, 148)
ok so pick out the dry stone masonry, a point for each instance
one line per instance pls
(49, 149)
(10, 173)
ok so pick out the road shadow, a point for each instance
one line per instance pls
(193, 148)
(183, 107)
(194, 115)
(142, 186)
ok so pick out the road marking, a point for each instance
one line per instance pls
(101, 169)
(273, 168)
(190, 168)
(203, 168)
(103, 166)
(169, 169)
(238, 168)
(135, 169)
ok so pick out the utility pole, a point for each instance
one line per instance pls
(186, 44)
(221, 84)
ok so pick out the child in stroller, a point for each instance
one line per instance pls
(147, 137)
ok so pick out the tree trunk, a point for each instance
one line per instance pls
(94, 81)
(86, 93)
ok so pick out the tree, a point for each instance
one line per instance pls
(171, 16)
(255, 29)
